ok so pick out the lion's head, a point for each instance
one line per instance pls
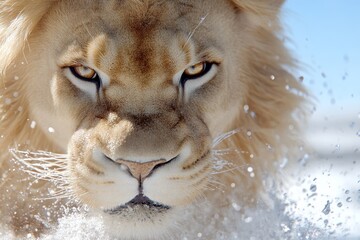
(136, 91)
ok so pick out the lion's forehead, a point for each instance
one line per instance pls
(135, 61)
(145, 16)
(141, 38)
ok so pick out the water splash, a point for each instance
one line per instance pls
(327, 208)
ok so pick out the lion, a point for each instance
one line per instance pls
(123, 105)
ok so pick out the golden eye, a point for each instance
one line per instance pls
(196, 69)
(84, 73)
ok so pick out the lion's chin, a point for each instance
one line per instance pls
(140, 218)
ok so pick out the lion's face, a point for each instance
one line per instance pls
(136, 92)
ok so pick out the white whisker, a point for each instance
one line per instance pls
(214, 182)
(225, 136)
(46, 166)
(191, 34)
(212, 187)
(230, 169)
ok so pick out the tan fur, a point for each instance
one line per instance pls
(141, 116)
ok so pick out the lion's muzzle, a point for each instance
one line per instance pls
(154, 166)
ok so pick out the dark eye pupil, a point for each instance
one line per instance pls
(193, 68)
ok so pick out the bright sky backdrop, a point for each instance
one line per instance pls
(325, 37)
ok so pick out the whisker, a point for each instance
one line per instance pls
(219, 139)
(221, 152)
(230, 169)
(216, 183)
(191, 34)
(46, 166)
(213, 187)
(201, 198)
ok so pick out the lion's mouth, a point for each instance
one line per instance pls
(139, 202)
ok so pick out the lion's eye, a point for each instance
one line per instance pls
(196, 71)
(86, 79)
(195, 76)
(83, 73)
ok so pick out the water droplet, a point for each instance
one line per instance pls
(326, 222)
(248, 219)
(51, 130)
(326, 209)
(358, 133)
(32, 124)
(339, 204)
(199, 235)
(250, 169)
(272, 77)
(252, 175)
(248, 133)
(303, 161)
(285, 228)
(236, 206)
(16, 78)
(349, 199)
(347, 191)
(313, 188)
(337, 147)
(246, 108)
(284, 162)
(301, 78)
(323, 75)
(251, 155)
(233, 185)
